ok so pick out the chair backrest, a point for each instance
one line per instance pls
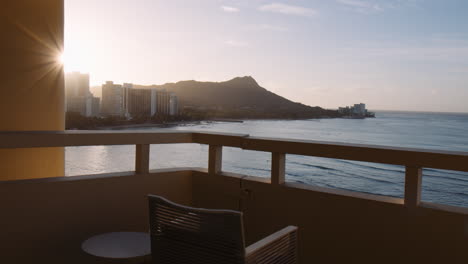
(182, 234)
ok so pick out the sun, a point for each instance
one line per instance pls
(71, 60)
(61, 58)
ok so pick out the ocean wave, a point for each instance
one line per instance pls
(365, 172)
(443, 178)
(313, 166)
(344, 176)
(362, 165)
(447, 192)
(449, 172)
(251, 168)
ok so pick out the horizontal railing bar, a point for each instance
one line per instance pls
(448, 160)
(189, 170)
(219, 139)
(39, 139)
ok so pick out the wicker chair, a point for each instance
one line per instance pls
(182, 234)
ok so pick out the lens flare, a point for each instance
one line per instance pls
(61, 58)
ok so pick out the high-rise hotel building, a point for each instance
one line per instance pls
(173, 105)
(112, 99)
(125, 100)
(76, 84)
(78, 97)
(141, 102)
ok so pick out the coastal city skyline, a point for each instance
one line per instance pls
(393, 55)
(117, 100)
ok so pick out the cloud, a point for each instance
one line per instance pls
(362, 6)
(288, 9)
(428, 49)
(269, 27)
(230, 9)
(236, 43)
(355, 3)
(374, 6)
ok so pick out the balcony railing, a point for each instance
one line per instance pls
(414, 160)
(335, 226)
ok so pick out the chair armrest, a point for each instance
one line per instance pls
(279, 247)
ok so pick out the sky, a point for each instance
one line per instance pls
(390, 54)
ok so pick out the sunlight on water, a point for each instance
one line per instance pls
(178, 155)
(417, 130)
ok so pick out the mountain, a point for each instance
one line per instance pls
(241, 97)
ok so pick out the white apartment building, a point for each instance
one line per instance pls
(125, 100)
(173, 105)
(359, 109)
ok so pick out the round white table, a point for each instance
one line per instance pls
(124, 247)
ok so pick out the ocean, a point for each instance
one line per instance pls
(436, 131)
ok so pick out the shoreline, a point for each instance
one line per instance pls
(150, 125)
(199, 122)
(169, 124)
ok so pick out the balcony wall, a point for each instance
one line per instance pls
(340, 226)
(46, 220)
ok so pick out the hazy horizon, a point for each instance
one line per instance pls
(407, 55)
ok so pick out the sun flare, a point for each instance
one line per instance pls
(61, 58)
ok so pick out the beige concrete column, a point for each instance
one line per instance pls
(32, 84)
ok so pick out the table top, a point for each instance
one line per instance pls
(118, 245)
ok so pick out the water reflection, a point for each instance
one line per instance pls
(419, 130)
